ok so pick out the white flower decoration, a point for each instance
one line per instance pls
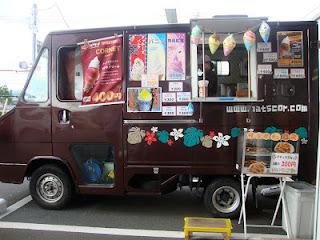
(177, 133)
(304, 141)
(154, 129)
(221, 140)
(248, 129)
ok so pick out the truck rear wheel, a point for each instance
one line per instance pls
(222, 198)
(50, 187)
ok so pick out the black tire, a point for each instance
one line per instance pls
(222, 198)
(51, 187)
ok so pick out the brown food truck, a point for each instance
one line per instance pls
(130, 110)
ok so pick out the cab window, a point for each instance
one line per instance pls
(69, 74)
(37, 89)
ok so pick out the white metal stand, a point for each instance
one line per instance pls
(282, 179)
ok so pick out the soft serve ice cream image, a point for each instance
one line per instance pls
(285, 48)
(137, 69)
(92, 74)
(144, 100)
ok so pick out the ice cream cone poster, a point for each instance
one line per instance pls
(137, 56)
(144, 99)
(156, 55)
(290, 49)
(176, 56)
(101, 61)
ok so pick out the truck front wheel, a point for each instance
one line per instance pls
(50, 187)
(222, 198)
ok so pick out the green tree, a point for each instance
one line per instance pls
(5, 93)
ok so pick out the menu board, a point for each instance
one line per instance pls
(269, 153)
(290, 49)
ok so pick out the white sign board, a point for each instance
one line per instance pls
(284, 163)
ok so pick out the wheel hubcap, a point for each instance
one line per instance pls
(226, 199)
(50, 188)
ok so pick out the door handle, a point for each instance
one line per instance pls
(64, 116)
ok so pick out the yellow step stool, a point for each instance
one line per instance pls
(209, 225)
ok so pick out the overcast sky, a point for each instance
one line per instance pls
(15, 17)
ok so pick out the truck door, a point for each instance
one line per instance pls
(88, 138)
(32, 117)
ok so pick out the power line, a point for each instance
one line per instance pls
(61, 14)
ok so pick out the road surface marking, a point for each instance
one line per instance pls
(122, 231)
(16, 206)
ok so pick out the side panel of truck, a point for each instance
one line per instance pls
(86, 129)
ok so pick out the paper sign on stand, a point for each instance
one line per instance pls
(284, 163)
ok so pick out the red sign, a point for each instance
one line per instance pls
(101, 61)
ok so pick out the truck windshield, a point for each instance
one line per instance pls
(37, 90)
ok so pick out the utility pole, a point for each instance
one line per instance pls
(34, 31)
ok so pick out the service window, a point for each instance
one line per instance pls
(69, 74)
(227, 75)
(37, 89)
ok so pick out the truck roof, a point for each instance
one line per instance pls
(121, 28)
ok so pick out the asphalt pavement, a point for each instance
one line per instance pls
(12, 193)
(133, 213)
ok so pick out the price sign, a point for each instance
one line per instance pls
(264, 69)
(169, 111)
(149, 80)
(175, 86)
(284, 163)
(270, 57)
(297, 73)
(169, 97)
(183, 111)
(280, 73)
(183, 96)
(264, 47)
